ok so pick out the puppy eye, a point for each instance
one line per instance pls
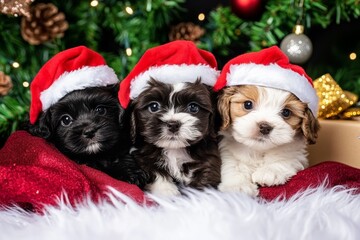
(100, 110)
(66, 120)
(286, 113)
(193, 108)
(248, 105)
(154, 107)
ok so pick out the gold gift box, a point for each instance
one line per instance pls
(339, 141)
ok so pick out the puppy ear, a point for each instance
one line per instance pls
(214, 118)
(224, 108)
(133, 127)
(310, 127)
(42, 128)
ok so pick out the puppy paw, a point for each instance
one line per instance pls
(163, 189)
(139, 178)
(248, 188)
(270, 177)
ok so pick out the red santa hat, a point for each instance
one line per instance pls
(269, 67)
(174, 62)
(73, 69)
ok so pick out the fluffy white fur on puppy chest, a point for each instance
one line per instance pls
(174, 159)
(243, 168)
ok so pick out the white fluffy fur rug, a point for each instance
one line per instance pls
(315, 214)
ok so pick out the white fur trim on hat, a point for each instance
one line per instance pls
(174, 74)
(274, 76)
(75, 80)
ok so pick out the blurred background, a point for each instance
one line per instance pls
(323, 36)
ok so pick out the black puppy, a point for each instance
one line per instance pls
(90, 127)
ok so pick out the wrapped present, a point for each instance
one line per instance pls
(339, 135)
(334, 102)
(338, 140)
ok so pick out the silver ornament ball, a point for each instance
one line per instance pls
(297, 47)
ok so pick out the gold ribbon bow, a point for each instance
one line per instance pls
(333, 101)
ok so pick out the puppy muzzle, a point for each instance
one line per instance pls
(173, 126)
(265, 128)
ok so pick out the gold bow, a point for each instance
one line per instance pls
(333, 101)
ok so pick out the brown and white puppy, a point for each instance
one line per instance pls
(174, 136)
(264, 133)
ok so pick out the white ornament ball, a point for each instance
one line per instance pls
(297, 47)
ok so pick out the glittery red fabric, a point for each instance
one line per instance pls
(328, 174)
(33, 173)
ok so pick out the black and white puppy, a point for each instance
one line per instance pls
(174, 136)
(90, 127)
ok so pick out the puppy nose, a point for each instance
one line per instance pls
(265, 128)
(89, 132)
(173, 126)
